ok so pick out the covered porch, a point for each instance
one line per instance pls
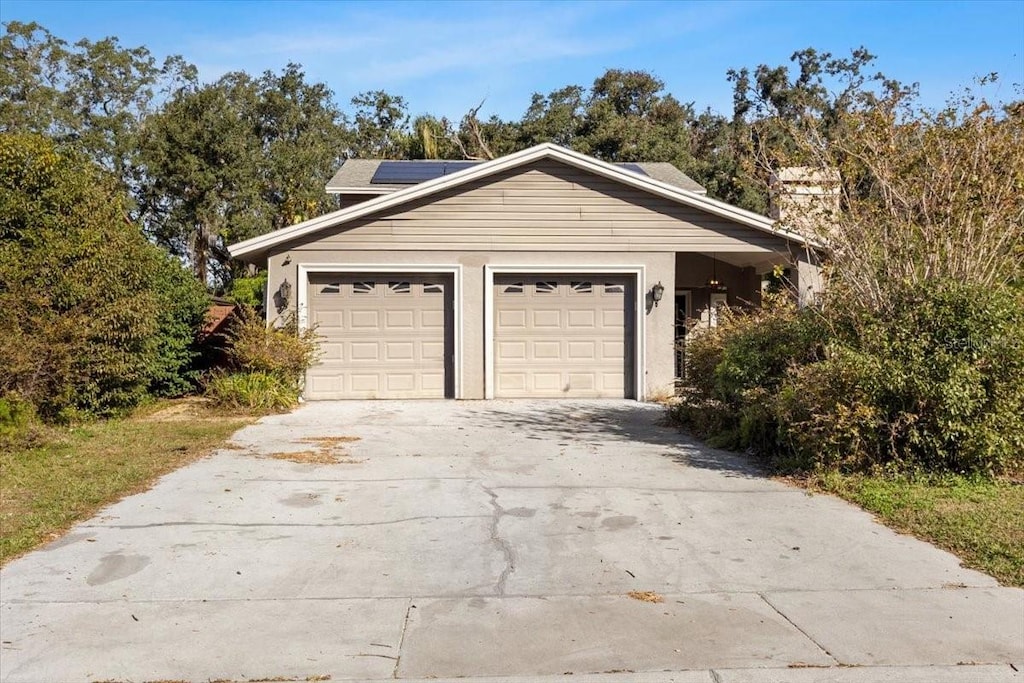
(705, 281)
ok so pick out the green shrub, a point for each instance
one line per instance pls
(734, 369)
(249, 291)
(935, 384)
(280, 349)
(183, 302)
(269, 363)
(19, 426)
(943, 374)
(254, 391)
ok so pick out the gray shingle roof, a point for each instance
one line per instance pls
(354, 177)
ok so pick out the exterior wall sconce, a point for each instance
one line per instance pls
(284, 295)
(657, 292)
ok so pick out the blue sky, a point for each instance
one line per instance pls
(445, 57)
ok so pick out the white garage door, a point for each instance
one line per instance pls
(382, 336)
(563, 336)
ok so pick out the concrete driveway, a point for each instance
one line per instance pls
(494, 539)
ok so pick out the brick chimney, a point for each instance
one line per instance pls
(805, 199)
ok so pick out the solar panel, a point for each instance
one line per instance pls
(412, 172)
(633, 168)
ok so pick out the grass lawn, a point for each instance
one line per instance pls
(73, 473)
(981, 521)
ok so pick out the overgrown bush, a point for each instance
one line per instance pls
(280, 348)
(937, 384)
(268, 362)
(92, 316)
(733, 368)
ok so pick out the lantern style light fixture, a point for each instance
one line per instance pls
(714, 284)
(657, 292)
(284, 295)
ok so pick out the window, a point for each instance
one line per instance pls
(582, 287)
(612, 288)
(432, 288)
(514, 288)
(332, 288)
(400, 287)
(364, 287)
(546, 287)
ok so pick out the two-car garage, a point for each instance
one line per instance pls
(393, 334)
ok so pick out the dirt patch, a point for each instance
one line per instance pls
(330, 451)
(330, 441)
(645, 596)
(188, 409)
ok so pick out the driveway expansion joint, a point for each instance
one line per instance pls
(401, 638)
(801, 630)
(248, 525)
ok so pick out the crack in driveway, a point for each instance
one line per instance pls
(502, 544)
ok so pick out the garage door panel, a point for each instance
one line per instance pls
(547, 350)
(582, 318)
(515, 318)
(581, 350)
(400, 319)
(613, 380)
(331, 352)
(398, 351)
(547, 319)
(365, 382)
(363, 351)
(432, 319)
(432, 350)
(574, 331)
(582, 381)
(613, 318)
(547, 381)
(364, 320)
(613, 350)
(512, 351)
(432, 382)
(389, 336)
(401, 382)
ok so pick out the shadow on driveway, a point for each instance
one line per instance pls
(611, 421)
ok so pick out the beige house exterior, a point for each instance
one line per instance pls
(537, 274)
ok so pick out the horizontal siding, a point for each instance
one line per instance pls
(545, 206)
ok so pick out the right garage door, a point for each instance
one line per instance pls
(563, 336)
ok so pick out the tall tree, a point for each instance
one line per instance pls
(381, 126)
(556, 117)
(236, 159)
(91, 94)
(775, 107)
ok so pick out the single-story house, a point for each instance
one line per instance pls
(544, 273)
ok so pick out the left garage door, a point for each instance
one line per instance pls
(381, 336)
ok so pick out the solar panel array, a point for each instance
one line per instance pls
(413, 172)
